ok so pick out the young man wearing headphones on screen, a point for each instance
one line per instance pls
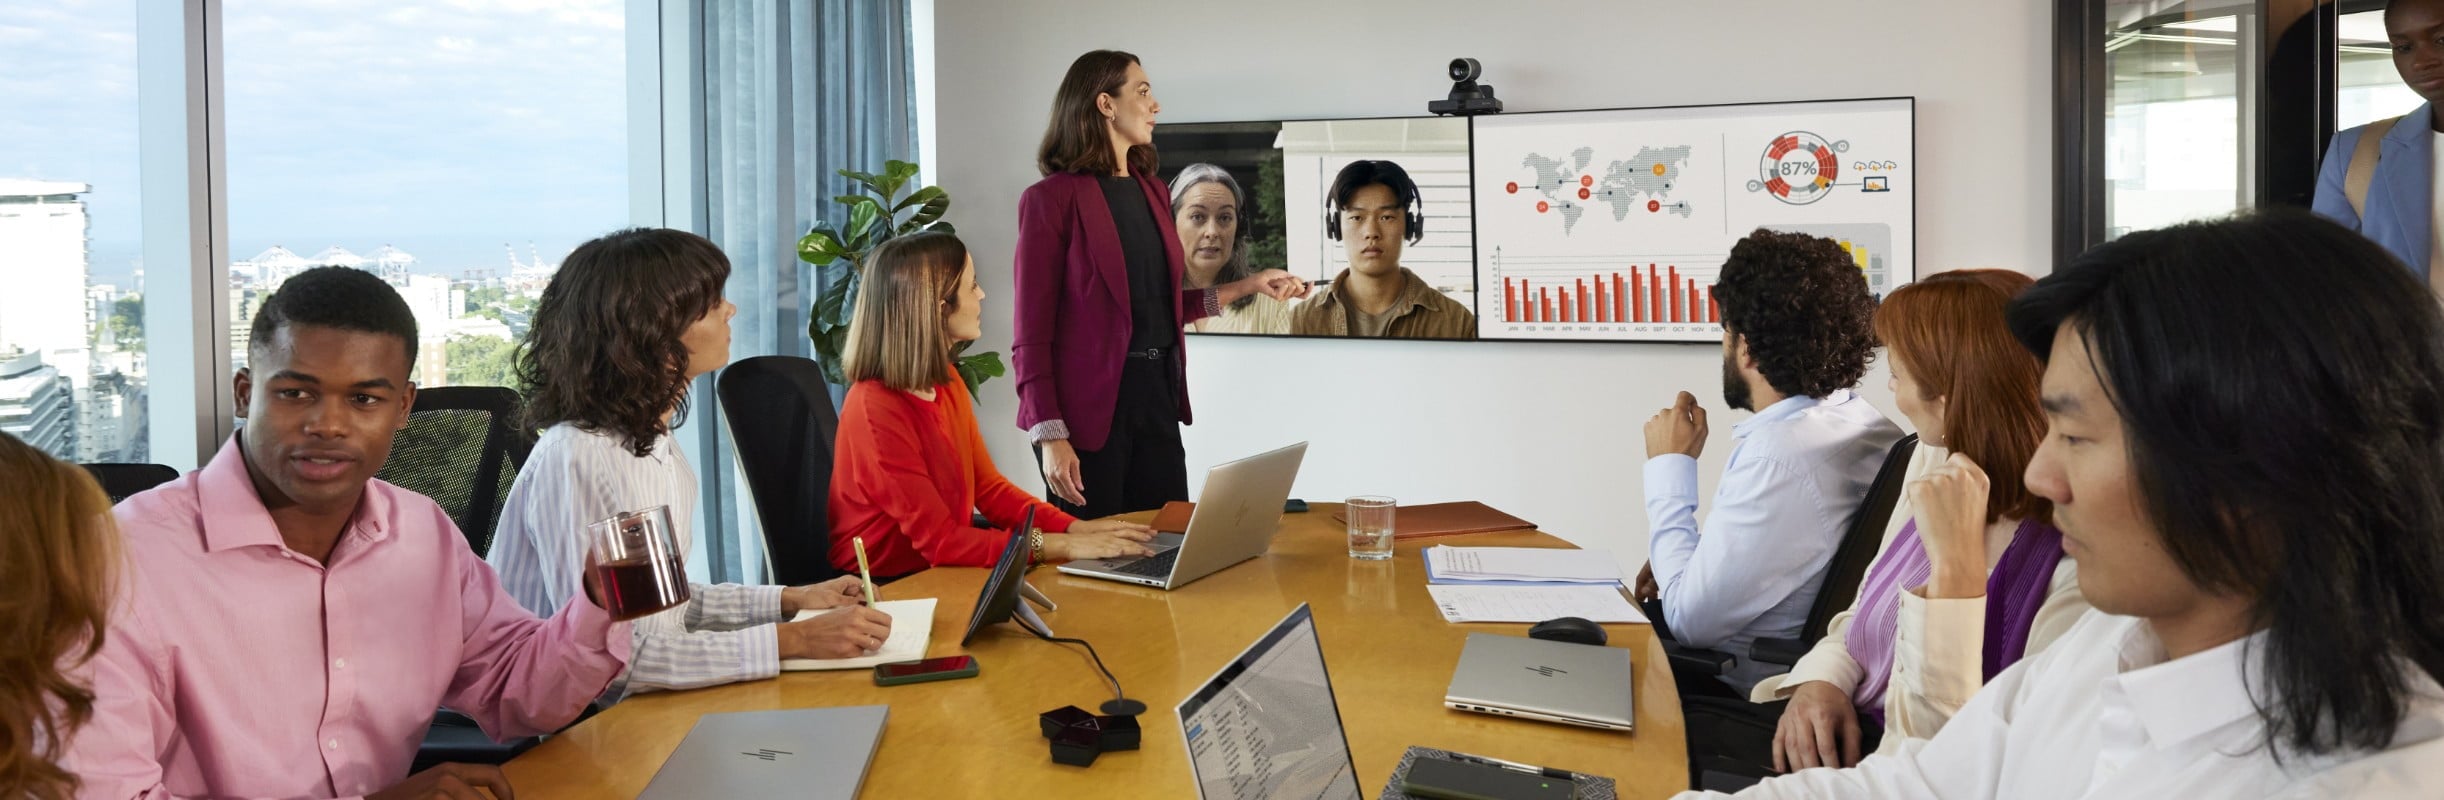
(1372, 210)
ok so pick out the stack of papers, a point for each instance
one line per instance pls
(1533, 603)
(1519, 566)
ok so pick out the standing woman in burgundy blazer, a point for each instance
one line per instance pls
(1102, 384)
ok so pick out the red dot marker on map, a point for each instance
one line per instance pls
(1654, 205)
(1542, 206)
(1512, 187)
(1586, 180)
(1584, 194)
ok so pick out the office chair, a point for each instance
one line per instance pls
(782, 428)
(463, 447)
(122, 481)
(1730, 740)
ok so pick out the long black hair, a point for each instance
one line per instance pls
(2281, 382)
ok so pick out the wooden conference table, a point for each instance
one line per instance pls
(1389, 651)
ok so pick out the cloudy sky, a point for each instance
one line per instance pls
(445, 127)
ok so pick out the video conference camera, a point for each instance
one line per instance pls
(1468, 97)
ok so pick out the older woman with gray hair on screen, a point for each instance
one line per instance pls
(1209, 210)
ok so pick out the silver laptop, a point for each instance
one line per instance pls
(1266, 724)
(799, 752)
(1573, 684)
(1233, 522)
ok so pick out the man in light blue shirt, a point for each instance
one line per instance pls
(1797, 336)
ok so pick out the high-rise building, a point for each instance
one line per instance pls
(428, 297)
(37, 404)
(43, 224)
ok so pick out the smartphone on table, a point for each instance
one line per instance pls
(931, 669)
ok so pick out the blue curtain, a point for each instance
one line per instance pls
(793, 92)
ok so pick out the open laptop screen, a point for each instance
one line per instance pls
(1266, 726)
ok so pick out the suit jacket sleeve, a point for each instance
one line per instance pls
(1038, 272)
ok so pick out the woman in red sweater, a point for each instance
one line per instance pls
(910, 465)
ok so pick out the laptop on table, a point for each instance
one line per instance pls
(1233, 522)
(1267, 725)
(1573, 684)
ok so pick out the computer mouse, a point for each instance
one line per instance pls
(1575, 630)
(1294, 506)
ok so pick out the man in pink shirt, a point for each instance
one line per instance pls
(289, 623)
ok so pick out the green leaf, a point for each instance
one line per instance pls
(838, 300)
(866, 178)
(918, 197)
(820, 247)
(930, 213)
(944, 227)
(895, 176)
(862, 217)
(976, 369)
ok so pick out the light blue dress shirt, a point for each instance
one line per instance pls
(1798, 470)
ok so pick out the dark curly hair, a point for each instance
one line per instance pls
(604, 350)
(344, 298)
(1802, 304)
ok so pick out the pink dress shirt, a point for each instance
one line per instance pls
(236, 667)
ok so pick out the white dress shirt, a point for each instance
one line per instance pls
(1795, 476)
(724, 633)
(2102, 714)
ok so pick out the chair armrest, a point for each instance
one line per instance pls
(1695, 662)
(1785, 652)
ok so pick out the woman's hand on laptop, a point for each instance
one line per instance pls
(1079, 546)
(1111, 527)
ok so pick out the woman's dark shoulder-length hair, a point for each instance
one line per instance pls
(1077, 139)
(2280, 380)
(604, 349)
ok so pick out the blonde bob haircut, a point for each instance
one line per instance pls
(899, 335)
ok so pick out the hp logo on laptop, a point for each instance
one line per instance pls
(1548, 671)
(766, 754)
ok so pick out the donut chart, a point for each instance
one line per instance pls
(1799, 167)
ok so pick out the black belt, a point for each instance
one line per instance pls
(1149, 354)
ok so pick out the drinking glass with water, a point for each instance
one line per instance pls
(1370, 527)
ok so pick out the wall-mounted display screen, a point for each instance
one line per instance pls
(1604, 225)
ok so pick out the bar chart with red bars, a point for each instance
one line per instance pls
(1669, 298)
(1650, 293)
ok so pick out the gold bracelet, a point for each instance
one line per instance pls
(1035, 546)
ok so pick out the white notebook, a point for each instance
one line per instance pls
(911, 630)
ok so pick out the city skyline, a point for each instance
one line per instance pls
(445, 129)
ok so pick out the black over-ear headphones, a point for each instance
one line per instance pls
(1361, 174)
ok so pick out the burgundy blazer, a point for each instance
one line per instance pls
(1073, 305)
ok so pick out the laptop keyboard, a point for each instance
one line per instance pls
(1154, 566)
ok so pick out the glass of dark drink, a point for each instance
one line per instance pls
(635, 562)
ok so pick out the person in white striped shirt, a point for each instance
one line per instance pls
(626, 324)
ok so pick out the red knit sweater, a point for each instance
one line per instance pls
(906, 472)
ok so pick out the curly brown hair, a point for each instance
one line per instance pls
(604, 349)
(1802, 304)
(60, 552)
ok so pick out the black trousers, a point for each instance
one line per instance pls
(1142, 465)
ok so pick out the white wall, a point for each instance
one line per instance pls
(1550, 432)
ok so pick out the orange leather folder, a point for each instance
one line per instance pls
(1412, 522)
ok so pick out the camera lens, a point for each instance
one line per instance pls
(1465, 69)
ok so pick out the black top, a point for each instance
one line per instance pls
(1151, 293)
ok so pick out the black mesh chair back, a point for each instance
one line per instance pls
(122, 481)
(1861, 542)
(463, 447)
(1730, 741)
(783, 426)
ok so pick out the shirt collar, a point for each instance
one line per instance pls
(1789, 407)
(2185, 698)
(233, 514)
(1414, 294)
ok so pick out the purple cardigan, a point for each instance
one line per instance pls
(1073, 305)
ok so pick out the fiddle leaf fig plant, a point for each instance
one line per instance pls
(838, 249)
